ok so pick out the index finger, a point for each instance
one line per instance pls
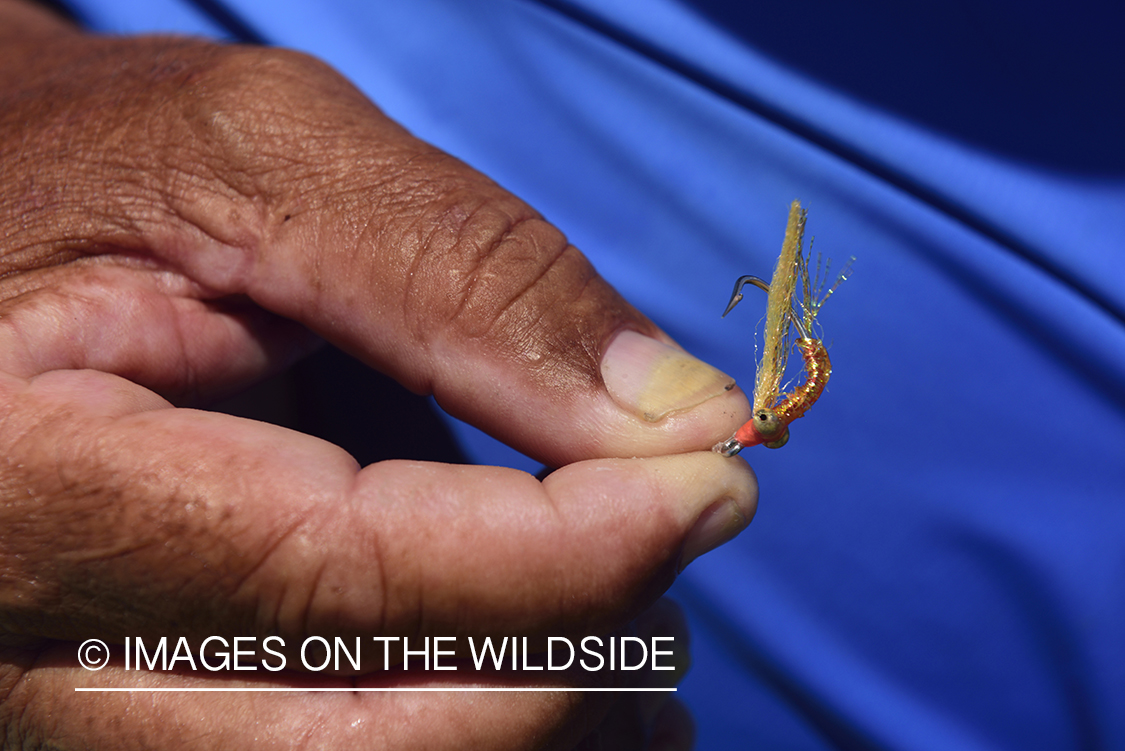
(137, 518)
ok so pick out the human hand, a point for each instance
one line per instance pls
(180, 219)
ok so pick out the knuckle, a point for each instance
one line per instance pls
(497, 267)
(277, 132)
(300, 589)
(482, 270)
(269, 109)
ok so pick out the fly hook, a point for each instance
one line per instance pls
(773, 410)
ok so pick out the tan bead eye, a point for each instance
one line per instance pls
(779, 442)
(767, 424)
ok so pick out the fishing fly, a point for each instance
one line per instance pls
(774, 410)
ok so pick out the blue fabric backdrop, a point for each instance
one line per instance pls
(938, 560)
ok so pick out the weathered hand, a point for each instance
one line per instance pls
(180, 219)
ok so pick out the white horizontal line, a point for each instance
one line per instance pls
(460, 689)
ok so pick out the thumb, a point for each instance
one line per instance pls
(434, 274)
(265, 175)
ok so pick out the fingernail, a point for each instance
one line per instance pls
(719, 524)
(651, 379)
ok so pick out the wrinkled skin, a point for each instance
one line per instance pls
(181, 219)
